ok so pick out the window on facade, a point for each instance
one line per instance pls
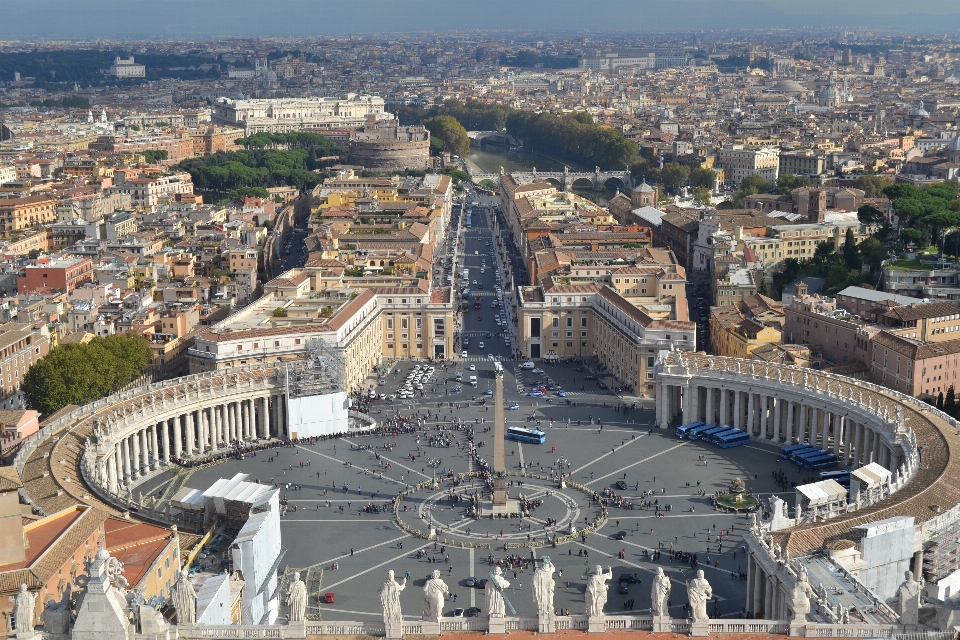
(556, 322)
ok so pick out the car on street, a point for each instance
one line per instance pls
(489, 335)
(514, 407)
(629, 579)
(457, 389)
(488, 392)
(528, 365)
(482, 584)
(535, 394)
(480, 345)
(537, 370)
(621, 535)
(624, 588)
(457, 613)
(463, 354)
(621, 485)
(472, 367)
(473, 612)
(458, 377)
(328, 597)
(562, 393)
(471, 582)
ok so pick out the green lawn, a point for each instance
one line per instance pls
(908, 264)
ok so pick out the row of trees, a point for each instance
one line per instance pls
(925, 214)
(224, 172)
(81, 373)
(315, 142)
(840, 268)
(572, 136)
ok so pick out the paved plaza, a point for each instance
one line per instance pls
(338, 478)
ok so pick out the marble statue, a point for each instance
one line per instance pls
(433, 593)
(660, 594)
(23, 604)
(543, 586)
(297, 599)
(184, 599)
(390, 599)
(776, 551)
(495, 603)
(800, 598)
(908, 600)
(596, 593)
(699, 593)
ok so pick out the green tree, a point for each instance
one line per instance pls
(755, 184)
(674, 175)
(153, 156)
(851, 255)
(436, 145)
(872, 185)
(81, 373)
(701, 196)
(458, 175)
(454, 136)
(701, 177)
(870, 215)
(787, 182)
(872, 253)
(249, 192)
(950, 402)
(940, 400)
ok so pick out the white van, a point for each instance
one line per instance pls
(528, 365)
(473, 381)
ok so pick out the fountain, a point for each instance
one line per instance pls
(736, 499)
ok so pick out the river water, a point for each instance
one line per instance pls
(489, 159)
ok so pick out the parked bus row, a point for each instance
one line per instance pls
(723, 436)
(809, 457)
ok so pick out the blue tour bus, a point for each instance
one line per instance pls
(732, 439)
(821, 461)
(713, 436)
(694, 433)
(800, 455)
(533, 436)
(683, 429)
(841, 477)
(706, 433)
(785, 452)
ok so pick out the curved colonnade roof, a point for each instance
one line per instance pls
(63, 486)
(934, 489)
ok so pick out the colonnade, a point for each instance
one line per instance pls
(193, 432)
(779, 418)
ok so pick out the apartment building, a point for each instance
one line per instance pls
(151, 191)
(904, 278)
(914, 367)
(281, 115)
(563, 321)
(802, 163)
(20, 347)
(60, 273)
(736, 334)
(17, 214)
(739, 161)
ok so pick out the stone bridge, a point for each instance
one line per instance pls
(566, 179)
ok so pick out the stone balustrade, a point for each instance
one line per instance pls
(563, 623)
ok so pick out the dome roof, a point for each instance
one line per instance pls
(830, 91)
(643, 187)
(919, 113)
(955, 144)
(788, 86)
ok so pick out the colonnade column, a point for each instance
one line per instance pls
(737, 410)
(153, 446)
(187, 419)
(791, 413)
(247, 420)
(118, 466)
(777, 408)
(266, 417)
(751, 410)
(764, 407)
(756, 600)
(708, 416)
(802, 425)
(135, 458)
(174, 425)
(722, 417)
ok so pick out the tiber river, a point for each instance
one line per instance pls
(489, 159)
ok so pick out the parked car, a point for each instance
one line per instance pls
(514, 407)
(629, 579)
(621, 535)
(621, 485)
(471, 582)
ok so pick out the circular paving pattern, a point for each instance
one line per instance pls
(552, 515)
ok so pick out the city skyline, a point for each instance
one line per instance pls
(174, 18)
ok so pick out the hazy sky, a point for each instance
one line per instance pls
(172, 18)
